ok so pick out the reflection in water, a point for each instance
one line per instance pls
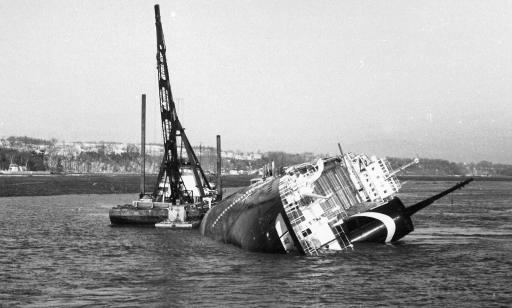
(61, 250)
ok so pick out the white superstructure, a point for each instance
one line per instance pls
(317, 198)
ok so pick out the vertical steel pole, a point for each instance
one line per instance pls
(143, 146)
(219, 166)
(341, 151)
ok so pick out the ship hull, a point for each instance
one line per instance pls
(250, 223)
(386, 223)
(247, 219)
(308, 210)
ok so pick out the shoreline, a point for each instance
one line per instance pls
(453, 178)
(58, 184)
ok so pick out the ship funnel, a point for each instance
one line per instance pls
(420, 205)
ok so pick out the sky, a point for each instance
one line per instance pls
(392, 78)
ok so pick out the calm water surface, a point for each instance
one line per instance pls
(62, 251)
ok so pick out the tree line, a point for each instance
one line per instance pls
(129, 161)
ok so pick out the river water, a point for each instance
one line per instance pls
(62, 251)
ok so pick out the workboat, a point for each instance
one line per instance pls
(180, 218)
(327, 205)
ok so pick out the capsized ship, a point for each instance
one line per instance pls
(314, 207)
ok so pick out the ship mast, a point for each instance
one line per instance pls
(171, 167)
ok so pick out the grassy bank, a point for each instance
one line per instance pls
(45, 185)
(452, 178)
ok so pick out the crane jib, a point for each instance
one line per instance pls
(170, 172)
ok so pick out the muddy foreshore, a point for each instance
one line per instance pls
(46, 185)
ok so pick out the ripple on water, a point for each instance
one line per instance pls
(61, 251)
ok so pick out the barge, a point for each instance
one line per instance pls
(182, 193)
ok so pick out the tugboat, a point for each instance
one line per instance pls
(331, 204)
(182, 193)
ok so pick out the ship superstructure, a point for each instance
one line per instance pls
(315, 197)
(373, 177)
(318, 198)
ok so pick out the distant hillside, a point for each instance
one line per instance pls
(118, 158)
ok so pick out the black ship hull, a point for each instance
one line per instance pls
(247, 219)
(386, 223)
(250, 223)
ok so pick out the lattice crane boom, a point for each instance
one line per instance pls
(172, 130)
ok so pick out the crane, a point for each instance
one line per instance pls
(173, 135)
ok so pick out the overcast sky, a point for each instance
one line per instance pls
(395, 78)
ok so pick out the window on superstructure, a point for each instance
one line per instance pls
(294, 214)
(306, 232)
